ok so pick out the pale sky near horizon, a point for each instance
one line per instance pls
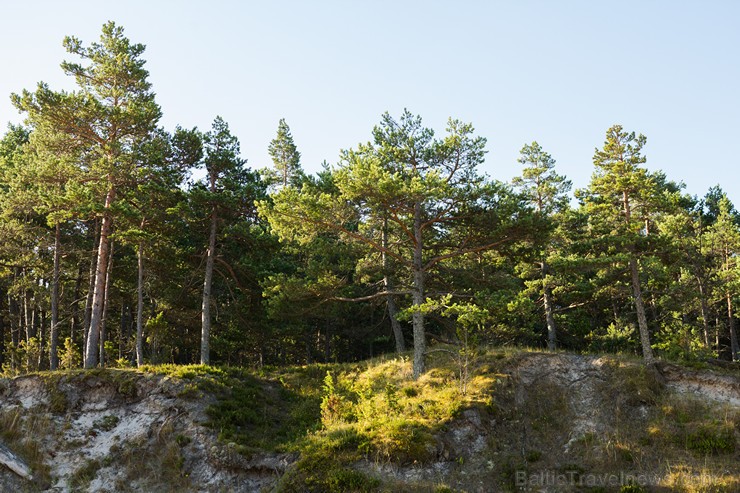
(558, 72)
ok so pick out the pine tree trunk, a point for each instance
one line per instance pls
(103, 332)
(418, 296)
(34, 331)
(390, 299)
(54, 339)
(733, 331)
(98, 301)
(647, 351)
(140, 307)
(123, 330)
(395, 324)
(14, 310)
(716, 334)
(28, 315)
(2, 336)
(75, 320)
(42, 338)
(205, 337)
(552, 337)
(549, 316)
(15, 327)
(704, 311)
(14, 324)
(91, 284)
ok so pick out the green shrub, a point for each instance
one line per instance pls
(632, 488)
(711, 440)
(70, 355)
(106, 423)
(79, 479)
(341, 480)
(57, 401)
(332, 403)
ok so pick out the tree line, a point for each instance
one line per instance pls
(123, 243)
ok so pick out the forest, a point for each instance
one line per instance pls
(123, 243)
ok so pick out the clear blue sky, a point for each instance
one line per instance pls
(559, 72)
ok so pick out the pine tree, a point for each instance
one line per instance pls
(546, 191)
(111, 115)
(285, 156)
(429, 190)
(619, 197)
(224, 187)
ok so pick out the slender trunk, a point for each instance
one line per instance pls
(42, 338)
(15, 327)
(733, 331)
(75, 321)
(2, 337)
(129, 317)
(28, 315)
(205, 337)
(716, 335)
(647, 351)
(390, 299)
(418, 295)
(140, 307)
(96, 317)
(704, 311)
(13, 334)
(123, 330)
(14, 310)
(106, 299)
(549, 316)
(395, 324)
(34, 330)
(54, 339)
(91, 285)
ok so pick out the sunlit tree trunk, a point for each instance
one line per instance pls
(704, 311)
(103, 332)
(98, 302)
(140, 306)
(418, 295)
(205, 337)
(390, 298)
(549, 316)
(91, 284)
(647, 350)
(54, 339)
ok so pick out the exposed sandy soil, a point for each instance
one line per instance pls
(550, 404)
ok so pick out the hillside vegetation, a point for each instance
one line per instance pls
(520, 421)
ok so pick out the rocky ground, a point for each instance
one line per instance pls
(551, 414)
(102, 431)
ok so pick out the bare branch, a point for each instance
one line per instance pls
(370, 297)
(570, 307)
(352, 234)
(464, 251)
